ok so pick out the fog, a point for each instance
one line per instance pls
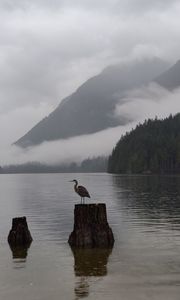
(65, 151)
(49, 48)
(148, 102)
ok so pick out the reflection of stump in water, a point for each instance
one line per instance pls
(91, 262)
(87, 263)
(19, 252)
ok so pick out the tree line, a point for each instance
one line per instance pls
(94, 164)
(152, 147)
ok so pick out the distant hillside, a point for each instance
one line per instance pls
(91, 108)
(90, 165)
(153, 147)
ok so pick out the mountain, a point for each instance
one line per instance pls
(152, 147)
(91, 107)
(170, 79)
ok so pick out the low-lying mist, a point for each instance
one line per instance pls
(65, 151)
(148, 102)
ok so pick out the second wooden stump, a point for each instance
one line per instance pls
(19, 234)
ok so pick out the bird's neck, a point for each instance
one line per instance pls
(75, 186)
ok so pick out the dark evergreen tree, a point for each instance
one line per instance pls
(152, 147)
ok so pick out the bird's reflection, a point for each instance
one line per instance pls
(82, 287)
(89, 263)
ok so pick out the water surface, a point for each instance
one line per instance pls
(144, 213)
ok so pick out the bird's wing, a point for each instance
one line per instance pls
(83, 191)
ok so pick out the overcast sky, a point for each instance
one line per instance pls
(48, 48)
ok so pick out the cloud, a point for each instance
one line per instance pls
(48, 48)
(17, 122)
(45, 54)
(73, 149)
(117, 6)
(149, 102)
(138, 105)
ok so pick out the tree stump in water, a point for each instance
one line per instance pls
(19, 234)
(91, 229)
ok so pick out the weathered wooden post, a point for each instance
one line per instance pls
(19, 235)
(91, 228)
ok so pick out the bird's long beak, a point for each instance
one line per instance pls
(71, 181)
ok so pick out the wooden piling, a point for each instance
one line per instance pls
(91, 228)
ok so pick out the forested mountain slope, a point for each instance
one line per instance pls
(152, 147)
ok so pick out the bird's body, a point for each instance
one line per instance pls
(81, 191)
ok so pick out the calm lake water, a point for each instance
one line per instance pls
(144, 213)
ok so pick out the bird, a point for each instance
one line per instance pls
(80, 190)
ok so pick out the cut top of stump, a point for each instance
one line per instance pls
(90, 214)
